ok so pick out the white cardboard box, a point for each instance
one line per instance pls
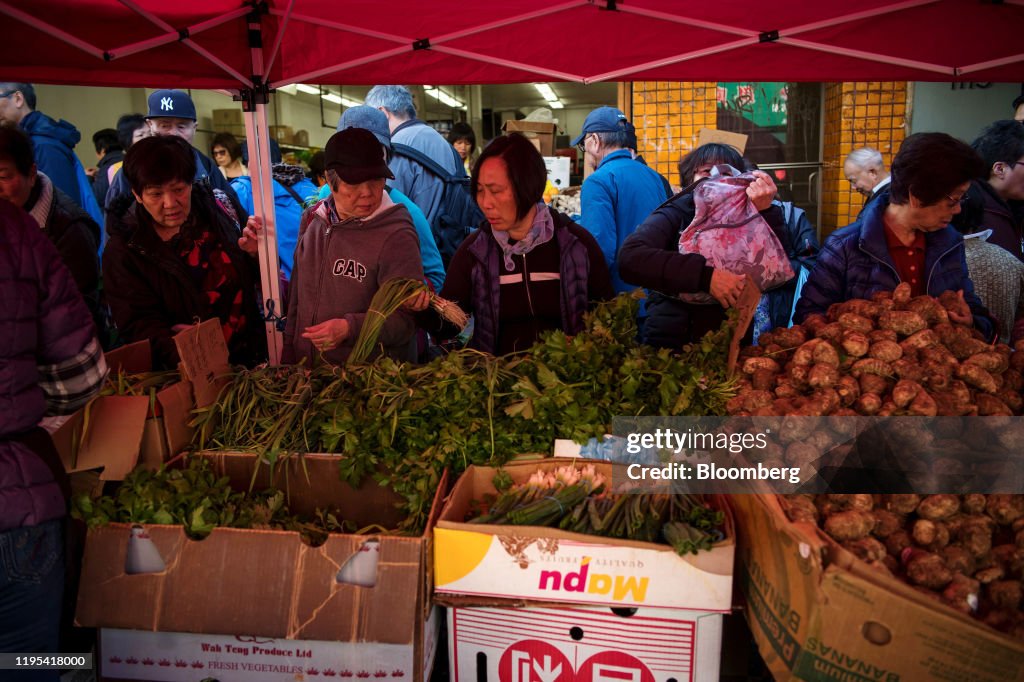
(583, 643)
(184, 657)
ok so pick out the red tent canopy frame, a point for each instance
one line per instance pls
(248, 48)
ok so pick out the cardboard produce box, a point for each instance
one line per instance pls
(817, 613)
(177, 656)
(550, 565)
(301, 138)
(583, 643)
(227, 117)
(117, 433)
(541, 134)
(269, 583)
(283, 134)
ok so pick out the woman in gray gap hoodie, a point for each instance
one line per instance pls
(349, 245)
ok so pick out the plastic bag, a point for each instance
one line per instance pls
(730, 233)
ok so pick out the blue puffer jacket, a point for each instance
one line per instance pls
(43, 321)
(855, 263)
(53, 143)
(287, 214)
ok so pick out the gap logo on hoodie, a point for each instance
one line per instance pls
(344, 267)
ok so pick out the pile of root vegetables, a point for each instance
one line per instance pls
(888, 356)
(965, 551)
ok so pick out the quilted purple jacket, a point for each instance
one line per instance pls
(43, 321)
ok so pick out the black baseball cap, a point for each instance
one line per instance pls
(356, 155)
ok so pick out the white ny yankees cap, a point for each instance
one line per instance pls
(171, 104)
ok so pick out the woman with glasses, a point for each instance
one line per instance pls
(905, 236)
(226, 152)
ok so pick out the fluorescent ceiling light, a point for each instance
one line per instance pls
(546, 92)
(443, 97)
(290, 89)
(308, 89)
(344, 101)
(556, 105)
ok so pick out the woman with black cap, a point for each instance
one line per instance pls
(349, 245)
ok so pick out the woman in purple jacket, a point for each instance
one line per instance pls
(50, 364)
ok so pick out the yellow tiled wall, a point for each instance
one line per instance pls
(857, 115)
(667, 116)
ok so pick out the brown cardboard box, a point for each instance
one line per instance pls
(301, 138)
(268, 583)
(227, 117)
(237, 130)
(122, 431)
(541, 134)
(817, 613)
(283, 134)
(737, 141)
(547, 565)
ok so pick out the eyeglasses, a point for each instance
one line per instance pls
(4, 95)
(953, 201)
(220, 152)
(582, 146)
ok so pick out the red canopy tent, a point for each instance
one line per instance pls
(250, 47)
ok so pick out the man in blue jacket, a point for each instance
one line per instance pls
(905, 235)
(53, 143)
(620, 193)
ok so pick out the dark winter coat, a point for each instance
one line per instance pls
(650, 258)
(984, 209)
(801, 244)
(101, 183)
(855, 263)
(150, 291)
(42, 321)
(76, 236)
(501, 326)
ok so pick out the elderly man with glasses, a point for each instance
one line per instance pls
(905, 236)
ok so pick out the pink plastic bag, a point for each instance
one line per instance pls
(729, 232)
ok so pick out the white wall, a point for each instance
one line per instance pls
(940, 107)
(89, 110)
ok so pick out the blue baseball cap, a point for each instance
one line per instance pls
(171, 104)
(602, 120)
(367, 118)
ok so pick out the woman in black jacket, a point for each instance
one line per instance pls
(650, 256)
(176, 255)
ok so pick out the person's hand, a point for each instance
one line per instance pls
(327, 335)
(417, 302)
(762, 190)
(250, 239)
(962, 313)
(91, 172)
(727, 287)
(180, 328)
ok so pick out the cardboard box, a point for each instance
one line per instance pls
(227, 117)
(301, 138)
(583, 643)
(269, 583)
(550, 565)
(541, 134)
(282, 134)
(817, 613)
(121, 432)
(177, 656)
(237, 130)
(737, 141)
(558, 170)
